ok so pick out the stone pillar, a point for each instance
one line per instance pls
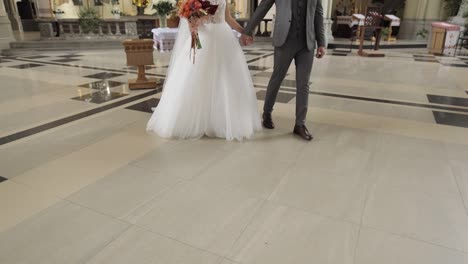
(327, 21)
(6, 34)
(419, 14)
(12, 11)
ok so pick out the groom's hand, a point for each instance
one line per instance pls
(246, 40)
(321, 51)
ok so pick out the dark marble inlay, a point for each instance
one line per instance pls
(72, 118)
(145, 106)
(465, 65)
(147, 67)
(376, 100)
(451, 119)
(254, 53)
(259, 58)
(3, 179)
(36, 57)
(103, 75)
(99, 97)
(258, 68)
(281, 98)
(426, 59)
(423, 56)
(66, 60)
(3, 60)
(70, 55)
(339, 54)
(447, 100)
(26, 66)
(101, 85)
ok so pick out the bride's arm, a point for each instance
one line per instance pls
(232, 22)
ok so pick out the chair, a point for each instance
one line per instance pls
(462, 41)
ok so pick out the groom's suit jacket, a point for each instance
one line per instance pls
(314, 21)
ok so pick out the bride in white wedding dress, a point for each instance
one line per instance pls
(213, 96)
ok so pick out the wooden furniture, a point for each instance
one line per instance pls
(444, 38)
(343, 27)
(164, 38)
(462, 41)
(140, 53)
(372, 21)
(394, 22)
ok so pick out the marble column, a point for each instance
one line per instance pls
(327, 21)
(12, 11)
(418, 15)
(6, 34)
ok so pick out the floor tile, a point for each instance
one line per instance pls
(460, 171)
(341, 196)
(145, 106)
(103, 75)
(64, 176)
(383, 248)
(36, 57)
(99, 97)
(254, 173)
(206, 218)
(26, 66)
(101, 85)
(426, 59)
(451, 119)
(279, 234)
(124, 190)
(281, 97)
(195, 157)
(65, 60)
(19, 202)
(70, 55)
(436, 219)
(143, 247)
(18, 158)
(257, 68)
(63, 233)
(3, 179)
(448, 100)
(458, 65)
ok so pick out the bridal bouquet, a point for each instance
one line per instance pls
(196, 12)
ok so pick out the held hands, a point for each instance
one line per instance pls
(246, 40)
(321, 51)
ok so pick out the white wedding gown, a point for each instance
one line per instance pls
(213, 97)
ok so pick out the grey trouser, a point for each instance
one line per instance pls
(303, 58)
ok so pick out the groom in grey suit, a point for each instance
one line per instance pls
(298, 27)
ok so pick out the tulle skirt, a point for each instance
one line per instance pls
(213, 96)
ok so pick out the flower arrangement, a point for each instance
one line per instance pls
(163, 7)
(422, 33)
(89, 19)
(196, 12)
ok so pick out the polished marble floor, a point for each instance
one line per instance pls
(384, 181)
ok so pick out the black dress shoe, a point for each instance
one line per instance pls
(301, 130)
(267, 121)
